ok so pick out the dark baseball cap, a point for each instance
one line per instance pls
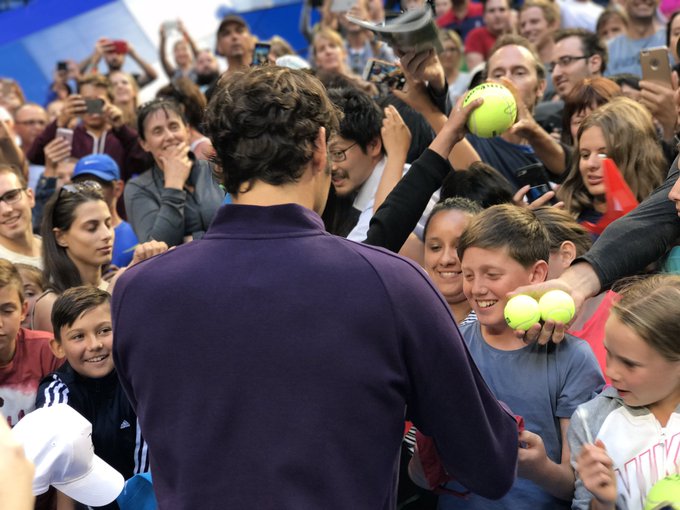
(98, 165)
(232, 18)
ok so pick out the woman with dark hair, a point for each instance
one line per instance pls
(193, 103)
(175, 200)
(77, 243)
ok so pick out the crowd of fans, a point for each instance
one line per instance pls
(92, 182)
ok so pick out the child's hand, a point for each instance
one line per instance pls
(596, 469)
(532, 456)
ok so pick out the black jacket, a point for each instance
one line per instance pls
(115, 434)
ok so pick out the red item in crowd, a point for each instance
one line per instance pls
(620, 199)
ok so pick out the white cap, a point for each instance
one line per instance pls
(58, 440)
(292, 62)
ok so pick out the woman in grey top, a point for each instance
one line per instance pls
(176, 199)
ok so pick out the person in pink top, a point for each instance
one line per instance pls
(25, 355)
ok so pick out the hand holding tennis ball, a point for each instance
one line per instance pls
(557, 305)
(496, 115)
(522, 312)
(665, 493)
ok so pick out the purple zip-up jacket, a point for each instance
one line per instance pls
(272, 366)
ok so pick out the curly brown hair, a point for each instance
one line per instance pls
(264, 123)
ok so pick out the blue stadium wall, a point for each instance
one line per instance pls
(34, 37)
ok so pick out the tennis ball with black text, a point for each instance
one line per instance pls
(664, 494)
(521, 312)
(496, 114)
(557, 305)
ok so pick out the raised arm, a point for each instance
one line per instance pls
(150, 73)
(546, 148)
(399, 214)
(419, 69)
(162, 53)
(187, 37)
(396, 139)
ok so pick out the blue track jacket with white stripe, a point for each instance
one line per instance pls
(116, 435)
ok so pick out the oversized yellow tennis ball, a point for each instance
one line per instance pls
(666, 492)
(522, 312)
(496, 114)
(557, 305)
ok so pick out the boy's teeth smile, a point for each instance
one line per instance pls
(448, 274)
(486, 304)
(97, 359)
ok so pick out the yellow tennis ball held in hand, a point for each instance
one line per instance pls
(557, 305)
(496, 114)
(665, 493)
(522, 312)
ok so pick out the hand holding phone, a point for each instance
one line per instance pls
(170, 26)
(656, 65)
(118, 46)
(382, 72)
(261, 54)
(535, 177)
(93, 106)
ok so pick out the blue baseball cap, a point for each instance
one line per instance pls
(99, 165)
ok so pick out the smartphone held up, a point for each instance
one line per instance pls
(384, 73)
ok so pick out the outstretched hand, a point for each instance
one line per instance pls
(550, 329)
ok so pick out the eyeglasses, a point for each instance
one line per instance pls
(12, 196)
(32, 122)
(339, 155)
(565, 61)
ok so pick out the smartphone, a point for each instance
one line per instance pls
(66, 134)
(342, 5)
(170, 26)
(261, 54)
(62, 66)
(119, 46)
(94, 105)
(534, 175)
(382, 72)
(655, 65)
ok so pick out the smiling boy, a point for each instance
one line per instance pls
(25, 355)
(503, 248)
(88, 381)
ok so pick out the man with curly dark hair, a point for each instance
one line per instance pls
(278, 367)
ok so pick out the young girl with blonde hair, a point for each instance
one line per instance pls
(626, 439)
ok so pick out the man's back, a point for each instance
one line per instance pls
(283, 380)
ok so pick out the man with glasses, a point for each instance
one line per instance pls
(357, 158)
(577, 54)
(17, 242)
